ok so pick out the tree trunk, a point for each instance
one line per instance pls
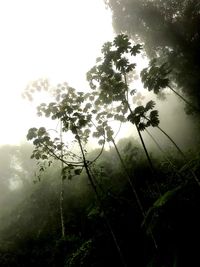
(185, 100)
(100, 202)
(134, 191)
(62, 187)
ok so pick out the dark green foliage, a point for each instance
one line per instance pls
(155, 77)
(108, 73)
(111, 209)
(142, 119)
(32, 236)
(170, 32)
(80, 257)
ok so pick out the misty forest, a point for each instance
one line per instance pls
(111, 176)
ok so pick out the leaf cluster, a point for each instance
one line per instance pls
(144, 116)
(109, 72)
(155, 77)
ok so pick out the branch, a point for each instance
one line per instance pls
(102, 148)
(53, 154)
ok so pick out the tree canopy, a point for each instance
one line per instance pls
(170, 32)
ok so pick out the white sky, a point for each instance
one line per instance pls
(55, 39)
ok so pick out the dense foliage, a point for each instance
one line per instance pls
(30, 230)
(170, 32)
(119, 207)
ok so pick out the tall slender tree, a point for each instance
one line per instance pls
(73, 111)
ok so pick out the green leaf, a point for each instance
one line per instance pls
(109, 115)
(106, 47)
(141, 126)
(154, 119)
(91, 98)
(122, 43)
(41, 131)
(101, 141)
(119, 117)
(36, 142)
(139, 110)
(32, 133)
(161, 201)
(136, 49)
(150, 105)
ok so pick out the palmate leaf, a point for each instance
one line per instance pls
(118, 77)
(98, 59)
(154, 118)
(87, 107)
(42, 131)
(141, 126)
(122, 64)
(101, 142)
(44, 157)
(130, 67)
(155, 77)
(143, 75)
(122, 43)
(150, 105)
(136, 49)
(119, 118)
(36, 142)
(139, 110)
(106, 47)
(32, 133)
(110, 115)
(163, 83)
(133, 118)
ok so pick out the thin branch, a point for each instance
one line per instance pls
(62, 186)
(160, 148)
(102, 148)
(100, 201)
(142, 141)
(185, 100)
(68, 163)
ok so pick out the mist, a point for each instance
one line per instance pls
(99, 163)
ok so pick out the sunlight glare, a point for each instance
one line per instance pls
(55, 39)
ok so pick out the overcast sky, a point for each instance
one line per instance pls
(54, 39)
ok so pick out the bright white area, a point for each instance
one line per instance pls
(54, 39)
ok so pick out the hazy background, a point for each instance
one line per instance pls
(58, 40)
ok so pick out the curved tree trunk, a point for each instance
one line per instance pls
(100, 202)
(133, 190)
(141, 139)
(160, 148)
(185, 100)
(182, 154)
(140, 136)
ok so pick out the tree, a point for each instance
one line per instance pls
(170, 32)
(73, 111)
(82, 114)
(110, 76)
(155, 78)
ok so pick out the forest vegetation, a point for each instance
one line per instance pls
(67, 203)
